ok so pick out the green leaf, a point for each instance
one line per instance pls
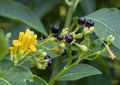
(88, 6)
(49, 45)
(41, 7)
(95, 45)
(99, 61)
(107, 22)
(37, 81)
(3, 46)
(79, 71)
(13, 75)
(17, 11)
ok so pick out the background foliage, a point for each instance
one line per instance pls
(40, 15)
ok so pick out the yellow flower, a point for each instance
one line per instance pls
(24, 45)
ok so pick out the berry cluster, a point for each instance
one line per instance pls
(68, 38)
(88, 23)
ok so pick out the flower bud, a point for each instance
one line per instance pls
(91, 29)
(41, 65)
(64, 31)
(43, 54)
(8, 35)
(62, 45)
(110, 39)
(87, 30)
(82, 47)
(80, 35)
(40, 53)
(51, 39)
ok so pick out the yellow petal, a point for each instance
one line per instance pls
(24, 40)
(33, 40)
(11, 52)
(28, 40)
(33, 48)
(28, 31)
(21, 34)
(16, 43)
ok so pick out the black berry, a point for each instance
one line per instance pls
(49, 62)
(89, 23)
(55, 29)
(47, 57)
(60, 37)
(68, 38)
(81, 21)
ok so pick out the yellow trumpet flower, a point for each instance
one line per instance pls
(23, 46)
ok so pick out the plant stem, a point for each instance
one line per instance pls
(67, 67)
(69, 14)
(69, 51)
(63, 71)
(55, 67)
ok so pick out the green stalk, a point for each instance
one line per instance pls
(69, 14)
(55, 67)
(69, 50)
(62, 71)
(73, 64)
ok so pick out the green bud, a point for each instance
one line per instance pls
(42, 64)
(8, 35)
(43, 54)
(40, 53)
(110, 39)
(39, 66)
(80, 35)
(51, 39)
(62, 45)
(87, 30)
(64, 31)
(91, 29)
(82, 47)
(20, 54)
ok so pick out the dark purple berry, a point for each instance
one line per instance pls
(47, 57)
(68, 38)
(81, 21)
(55, 29)
(89, 23)
(49, 62)
(60, 37)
